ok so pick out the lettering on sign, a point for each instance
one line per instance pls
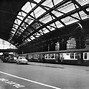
(11, 83)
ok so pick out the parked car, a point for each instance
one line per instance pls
(15, 58)
(21, 60)
(10, 59)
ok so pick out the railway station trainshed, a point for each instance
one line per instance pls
(52, 40)
(45, 25)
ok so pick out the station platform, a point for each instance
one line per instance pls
(43, 76)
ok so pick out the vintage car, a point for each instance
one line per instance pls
(21, 60)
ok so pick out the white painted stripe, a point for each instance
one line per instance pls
(30, 80)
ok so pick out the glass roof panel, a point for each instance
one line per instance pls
(28, 40)
(32, 14)
(61, 10)
(36, 25)
(39, 11)
(57, 1)
(17, 21)
(13, 29)
(12, 32)
(21, 15)
(83, 2)
(65, 8)
(37, 34)
(28, 21)
(46, 19)
(18, 34)
(69, 20)
(21, 29)
(24, 25)
(58, 24)
(41, 32)
(6, 45)
(32, 37)
(30, 17)
(15, 26)
(56, 13)
(37, 1)
(30, 30)
(53, 25)
(33, 5)
(48, 3)
(76, 15)
(27, 7)
(50, 28)
(45, 30)
(83, 15)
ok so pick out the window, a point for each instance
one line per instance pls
(71, 55)
(85, 56)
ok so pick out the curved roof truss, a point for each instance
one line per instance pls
(38, 17)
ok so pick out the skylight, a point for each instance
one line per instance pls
(34, 20)
(6, 45)
(21, 15)
(83, 2)
(27, 7)
(48, 3)
(68, 20)
(46, 19)
(39, 11)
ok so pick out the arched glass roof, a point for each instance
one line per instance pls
(6, 45)
(38, 17)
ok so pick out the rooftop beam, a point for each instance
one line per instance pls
(60, 17)
(29, 14)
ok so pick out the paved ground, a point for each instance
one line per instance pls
(43, 76)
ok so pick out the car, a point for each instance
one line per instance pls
(10, 59)
(21, 60)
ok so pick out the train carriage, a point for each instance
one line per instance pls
(72, 58)
(76, 56)
(50, 56)
(29, 57)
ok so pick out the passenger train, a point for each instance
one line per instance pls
(73, 56)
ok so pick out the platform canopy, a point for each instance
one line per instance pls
(30, 19)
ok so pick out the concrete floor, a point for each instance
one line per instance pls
(43, 76)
